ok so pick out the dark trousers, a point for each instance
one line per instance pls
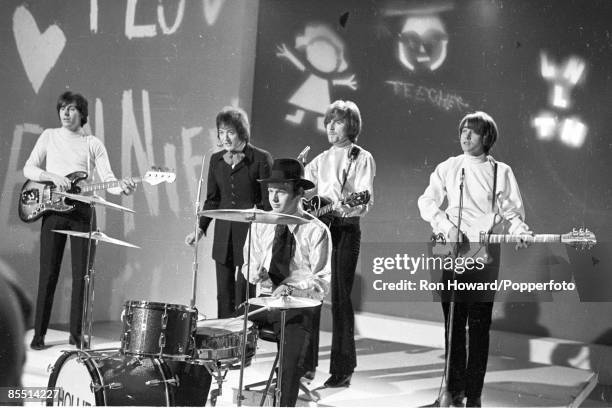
(467, 372)
(468, 365)
(230, 289)
(51, 253)
(346, 239)
(298, 348)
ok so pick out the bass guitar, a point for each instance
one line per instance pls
(39, 198)
(319, 206)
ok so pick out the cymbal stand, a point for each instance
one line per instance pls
(88, 287)
(196, 227)
(245, 318)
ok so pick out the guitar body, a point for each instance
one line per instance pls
(314, 204)
(36, 199)
(470, 248)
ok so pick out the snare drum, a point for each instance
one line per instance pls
(157, 329)
(221, 339)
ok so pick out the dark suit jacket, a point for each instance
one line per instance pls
(235, 188)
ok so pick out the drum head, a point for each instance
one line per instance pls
(144, 304)
(221, 327)
(73, 376)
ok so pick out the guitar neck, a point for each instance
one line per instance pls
(323, 210)
(537, 238)
(105, 185)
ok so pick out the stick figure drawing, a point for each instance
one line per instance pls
(324, 53)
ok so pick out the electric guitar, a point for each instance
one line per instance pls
(479, 235)
(319, 206)
(38, 198)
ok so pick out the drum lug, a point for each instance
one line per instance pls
(50, 368)
(155, 383)
(111, 386)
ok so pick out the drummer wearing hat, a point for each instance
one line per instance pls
(294, 259)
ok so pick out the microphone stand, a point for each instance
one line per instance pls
(195, 246)
(444, 397)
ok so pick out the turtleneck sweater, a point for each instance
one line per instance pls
(445, 182)
(64, 152)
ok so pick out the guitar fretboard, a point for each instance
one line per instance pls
(503, 238)
(107, 184)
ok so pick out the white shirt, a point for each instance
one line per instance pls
(444, 183)
(327, 172)
(65, 152)
(310, 264)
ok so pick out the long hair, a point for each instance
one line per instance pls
(348, 111)
(79, 102)
(237, 118)
(483, 124)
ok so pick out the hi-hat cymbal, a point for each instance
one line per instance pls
(96, 235)
(93, 199)
(253, 215)
(284, 302)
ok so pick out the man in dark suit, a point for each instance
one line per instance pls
(232, 184)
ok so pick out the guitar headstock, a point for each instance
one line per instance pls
(356, 199)
(159, 175)
(579, 238)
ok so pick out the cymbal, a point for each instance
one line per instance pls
(253, 215)
(96, 235)
(94, 199)
(284, 302)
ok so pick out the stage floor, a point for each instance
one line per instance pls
(388, 374)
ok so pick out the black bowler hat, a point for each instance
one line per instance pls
(284, 170)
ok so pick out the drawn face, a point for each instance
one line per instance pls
(70, 117)
(423, 43)
(322, 55)
(282, 198)
(336, 131)
(471, 142)
(228, 136)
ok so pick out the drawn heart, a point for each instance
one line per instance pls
(38, 51)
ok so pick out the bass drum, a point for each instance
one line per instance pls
(110, 378)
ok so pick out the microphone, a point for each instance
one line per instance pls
(462, 177)
(353, 153)
(303, 154)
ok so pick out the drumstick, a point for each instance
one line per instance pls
(262, 309)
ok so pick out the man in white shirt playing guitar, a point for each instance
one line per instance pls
(475, 186)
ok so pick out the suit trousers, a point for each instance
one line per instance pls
(52, 247)
(346, 240)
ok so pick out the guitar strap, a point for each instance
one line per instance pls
(493, 199)
(353, 154)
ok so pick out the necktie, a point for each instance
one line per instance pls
(282, 247)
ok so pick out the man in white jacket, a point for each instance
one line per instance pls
(489, 187)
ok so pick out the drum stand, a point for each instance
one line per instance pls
(218, 371)
(247, 304)
(88, 288)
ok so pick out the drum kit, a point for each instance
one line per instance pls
(167, 357)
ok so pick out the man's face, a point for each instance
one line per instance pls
(228, 136)
(471, 142)
(336, 130)
(70, 117)
(282, 198)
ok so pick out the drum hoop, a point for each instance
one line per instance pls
(145, 304)
(249, 326)
(92, 369)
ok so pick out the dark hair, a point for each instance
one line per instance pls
(237, 118)
(79, 101)
(348, 111)
(483, 124)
